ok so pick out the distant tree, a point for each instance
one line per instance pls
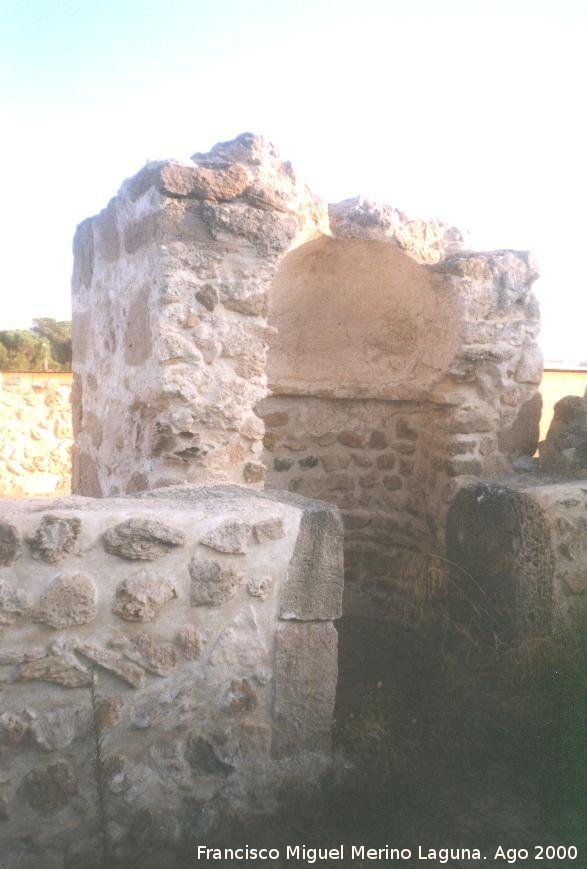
(45, 347)
(58, 333)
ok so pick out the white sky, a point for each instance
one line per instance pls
(469, 111)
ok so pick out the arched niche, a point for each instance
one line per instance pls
(360, 319)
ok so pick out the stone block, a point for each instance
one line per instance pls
(306, 670)
(313, 589)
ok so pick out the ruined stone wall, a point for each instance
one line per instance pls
(35, 434)
(170, 291)
(399, 373)
(207, 615)
(399, 364)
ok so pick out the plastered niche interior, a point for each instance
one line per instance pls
(360, 318)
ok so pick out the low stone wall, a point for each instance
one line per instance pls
(35, 434)
(207, 615)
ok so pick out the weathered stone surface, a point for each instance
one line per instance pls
(306, 666)
(203, 759)
(127, 671)
(189, 641)
(10, 544)
(521, 439)
(183, 702)
(140, 597)
(260, 586)
(254, 472)
(231, 537)
(55, 538)
(62, 670)
(21, 656)
(56, 728)
(427, 241)
(14, 728)
(142, 649)
(71, 599)
(49, 789)
(501, 537)
(239, 651)
(142, 539)
(565, 448)
(268, 530)
(313, 589)
(213, 583)
(530, 366)
(14, 603)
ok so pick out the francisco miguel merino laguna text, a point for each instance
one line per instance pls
(357, 852)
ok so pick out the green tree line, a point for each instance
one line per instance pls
(46, 346)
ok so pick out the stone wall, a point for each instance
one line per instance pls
(526, 547)
(170, 293)
(207, 615)
(35, 434)
(401, 370)
(400, 365)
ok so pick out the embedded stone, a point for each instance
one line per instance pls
(282, 464)
(55, 538)
(378, 440)
(49, 789)
(189, 641)
(212, 583)
(239, 651)
(339, 481)
(10, 544)
(253, 428)
(406, 448)
(142, 649)
(140, 597)
(386, 461)
(202, 758)
(21, 656)
(207, 296)
(59, 669)
(4, 809)
(392, 482)
(142, 539)
(70, 600)
(531, 365)
(254, 472)
(231, 537)
(313, 588)
(259, 586)
(109, 712)
(278, 419)
(241, 697)
(14, 602)
(404, 430)
(351, 439)
(268, 529)
(56, 728)
(308, 462)
(565, 448)
(14, 728)
(306, 670)
(125, 670)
